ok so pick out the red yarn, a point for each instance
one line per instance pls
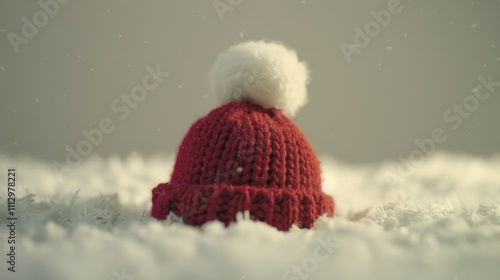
(242, 157)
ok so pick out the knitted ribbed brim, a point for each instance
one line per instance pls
(281, 208)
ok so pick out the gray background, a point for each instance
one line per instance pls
(372, 109)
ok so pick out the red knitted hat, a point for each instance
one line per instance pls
(247, 155)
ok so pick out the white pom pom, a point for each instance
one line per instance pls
(264, 73)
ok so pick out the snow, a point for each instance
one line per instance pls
(442, 222)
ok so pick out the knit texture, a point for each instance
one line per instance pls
(242, 157)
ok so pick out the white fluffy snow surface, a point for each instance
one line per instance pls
(441, 222)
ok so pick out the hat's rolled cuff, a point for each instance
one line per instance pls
(281, 208)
